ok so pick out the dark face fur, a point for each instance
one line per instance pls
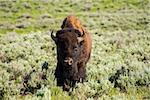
(69, 48)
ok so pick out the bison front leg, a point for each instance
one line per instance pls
(81, 71)
(58, 75)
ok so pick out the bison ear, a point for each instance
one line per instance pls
(77, 32)
(80, 33)
(53, 37)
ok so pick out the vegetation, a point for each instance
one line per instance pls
(119, 67)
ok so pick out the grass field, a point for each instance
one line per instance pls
(119, 68)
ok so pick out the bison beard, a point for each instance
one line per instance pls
(73, 52)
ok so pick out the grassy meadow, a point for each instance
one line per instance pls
(119, 68)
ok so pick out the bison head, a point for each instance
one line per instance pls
(69, 48)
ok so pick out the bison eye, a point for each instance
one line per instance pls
(75, 49)
(81, 43)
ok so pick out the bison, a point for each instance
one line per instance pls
(73, 52)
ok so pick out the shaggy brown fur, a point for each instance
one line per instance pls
(72, 22)
(69, 46)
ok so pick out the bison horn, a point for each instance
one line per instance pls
(53, 37)
(83, 31)
(80, 39)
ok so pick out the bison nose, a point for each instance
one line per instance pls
(69, 61)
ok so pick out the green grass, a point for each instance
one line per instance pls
(45, 15)
(119, 68)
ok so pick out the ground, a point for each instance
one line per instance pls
(119, 67)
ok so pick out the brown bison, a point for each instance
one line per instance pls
(73, 52)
